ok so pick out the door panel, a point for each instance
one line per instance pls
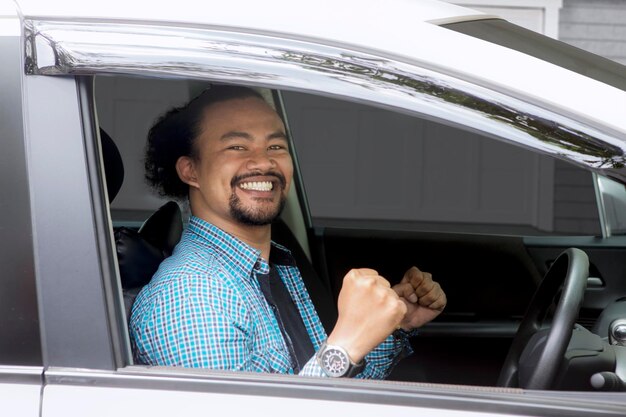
(489, 281)
(484, 276)
(138, 391)
(20, 390)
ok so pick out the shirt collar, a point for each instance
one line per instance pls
(242, 257)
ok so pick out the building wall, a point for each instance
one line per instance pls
(598, 26)
(575, 209)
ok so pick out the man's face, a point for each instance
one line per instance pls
(244, 169)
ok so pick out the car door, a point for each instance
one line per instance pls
(89, 366)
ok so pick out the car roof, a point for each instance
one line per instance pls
(386, 26)
(320, 14)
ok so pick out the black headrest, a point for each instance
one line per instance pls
(140, 253)
(138, 260)
(164, 228)
(113, 165)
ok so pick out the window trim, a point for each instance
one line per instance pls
(55, 48)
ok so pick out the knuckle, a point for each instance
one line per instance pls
(368, 282)
(401, 308)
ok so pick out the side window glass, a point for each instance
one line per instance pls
(365, 167)
(612, 196)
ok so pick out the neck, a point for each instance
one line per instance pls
(259, 237)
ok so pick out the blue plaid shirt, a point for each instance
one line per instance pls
(204, 308)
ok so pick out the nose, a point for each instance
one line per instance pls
(260, 161)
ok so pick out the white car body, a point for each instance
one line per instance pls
(149, 38)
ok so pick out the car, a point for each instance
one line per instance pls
(422, 133)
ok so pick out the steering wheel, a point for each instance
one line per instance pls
(571, 269)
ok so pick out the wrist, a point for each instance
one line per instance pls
(402, 333)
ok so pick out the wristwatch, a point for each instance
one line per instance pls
(336, 363)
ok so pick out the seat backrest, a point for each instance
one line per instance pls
(139, 253)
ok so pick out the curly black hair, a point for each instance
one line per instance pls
(174, 134)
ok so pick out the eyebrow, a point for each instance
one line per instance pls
(234, 134)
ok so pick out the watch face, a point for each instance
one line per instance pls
(335, 362)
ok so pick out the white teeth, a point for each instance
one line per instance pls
(257, 186)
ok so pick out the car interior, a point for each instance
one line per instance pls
(489, 271)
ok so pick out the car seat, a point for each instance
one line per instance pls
(139, 252)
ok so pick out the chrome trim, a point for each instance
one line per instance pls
(21, 374)
(219, 381)
(513, 401)
(55, 47)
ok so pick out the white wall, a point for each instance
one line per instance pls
(598, 26)
(539, 15)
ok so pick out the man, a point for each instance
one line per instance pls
(229, 298)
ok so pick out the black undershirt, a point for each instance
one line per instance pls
(289, 320)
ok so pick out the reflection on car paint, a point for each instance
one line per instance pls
(85, 48)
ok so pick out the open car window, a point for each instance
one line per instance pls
(388, 190)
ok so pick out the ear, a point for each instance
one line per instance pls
(186, 169)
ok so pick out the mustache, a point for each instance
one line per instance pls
(280, 177)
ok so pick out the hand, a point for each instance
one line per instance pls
(369, 311)
(423, 297)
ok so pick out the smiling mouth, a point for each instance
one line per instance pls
(257, 185)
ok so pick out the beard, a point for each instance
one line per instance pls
(258, 216)
(263, 214)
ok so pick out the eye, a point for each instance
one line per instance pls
(277, 147)
(236, 148)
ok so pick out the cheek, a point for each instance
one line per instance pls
(288, 172)
(222, 173)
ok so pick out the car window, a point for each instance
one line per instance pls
(371, 168)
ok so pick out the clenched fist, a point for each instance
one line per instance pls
(369, 311)
(422, 296)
